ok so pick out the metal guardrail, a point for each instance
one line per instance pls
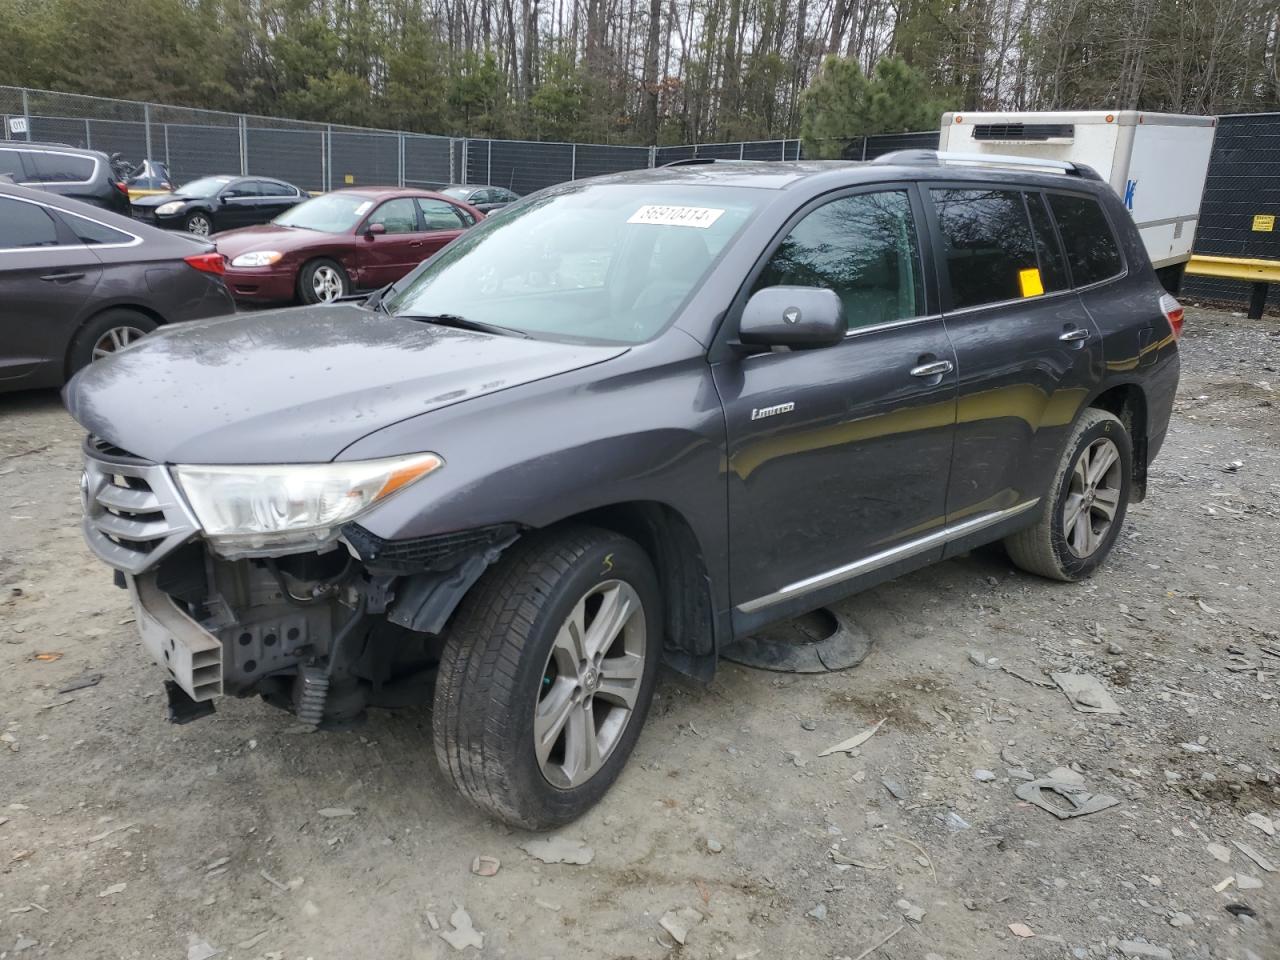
(1259, 273)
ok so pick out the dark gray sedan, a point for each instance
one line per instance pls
(78, 283)
(483, 197)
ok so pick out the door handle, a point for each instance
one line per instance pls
(1079, 333)
(416, 243)
(934, 369)
(61, 277)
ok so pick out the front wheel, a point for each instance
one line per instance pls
(1089, 497)
(547, 675)
(199, 223)
(323, 281)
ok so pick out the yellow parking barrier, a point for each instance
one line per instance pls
(1260, 273)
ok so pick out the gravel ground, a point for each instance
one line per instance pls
(124, 837)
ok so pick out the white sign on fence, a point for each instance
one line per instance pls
(18, 125)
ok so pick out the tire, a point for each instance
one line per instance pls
(507, 657)
(106, 333)
(1057, 548)
(322, 281)
(199, 222)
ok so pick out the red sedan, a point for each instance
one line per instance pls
(340, 243)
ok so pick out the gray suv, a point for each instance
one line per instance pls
(634, 419)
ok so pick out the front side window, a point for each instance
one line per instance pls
(398, 216)
(25, 225)
(1091, 246)
(245, 188)
(585, 262)
(990, 251)
(60, 168)
(864, 248)
(203, 188)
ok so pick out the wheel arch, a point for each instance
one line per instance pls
(1128, 403)
(149, 312)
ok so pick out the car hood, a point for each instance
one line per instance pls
(269, 236)
(154, 200)
(297, 385)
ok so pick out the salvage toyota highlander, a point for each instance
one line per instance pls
(629, 421)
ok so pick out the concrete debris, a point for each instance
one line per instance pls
(559, 850)
(1180, 919)
(1219, 852)
(678, 923)
(1065, 775)
(1086, 693)
(1194, 747)
(980, 659)
(807, 724)
(1246, 882)
(1255, 856)
(1136, 948)
(81, 683)
(334, 813)
(953, 821)
(983, 776)
(463, 934)
(484, 866)
(1080, 801)
(1021, 930)
(910, 911)
(714, 845)
(112, 890)
(817, 912)
(1262, 822)
(198, 949)
(896, 790)
(857, 740)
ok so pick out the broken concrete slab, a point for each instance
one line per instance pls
(1086, 693)
(1081, 802)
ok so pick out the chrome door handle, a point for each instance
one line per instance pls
(1079, 333)
(61, 277)
(934, 369)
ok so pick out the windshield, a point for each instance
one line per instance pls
(331, 213)
(460, 192)
(204, 187)
(607, 263)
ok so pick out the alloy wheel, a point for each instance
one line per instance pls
(114, 340)
(199, 225)
(326, 284)
(1092, 498)
(590, 684)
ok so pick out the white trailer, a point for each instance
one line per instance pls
(1156, 162)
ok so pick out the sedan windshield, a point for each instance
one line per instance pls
(605, 263)
(204, 187)
(331, 213)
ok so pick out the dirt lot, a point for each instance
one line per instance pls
(124, 837)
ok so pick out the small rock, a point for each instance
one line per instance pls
(485, 866)
(1246, 882)
(463, 934)
(112, 890)
(559, 850)
(1263, 823)
(1180, 919)
(310, 909)
(24, 943)
(1021, 930)
(818, 912)
(1194, 747)
(1065, 775)
(954, 821)
(198, 949)
(807, 724)
(678, 923)
(910, 911)
(895, 788)
(1114, 648)
(333, 813)
(1219, 852)
(714, 845)
(984, 776)
(1135, 948)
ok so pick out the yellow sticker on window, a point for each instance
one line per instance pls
(1031, 283)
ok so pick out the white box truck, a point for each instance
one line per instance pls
(1156, 162)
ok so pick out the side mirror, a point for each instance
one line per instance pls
(375, 230)
(798, 317)
(224, 199)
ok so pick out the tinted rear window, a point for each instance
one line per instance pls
(11, 163)
(1053, 269)
(60, 168)
(1091, 247)
(25, 225)
(989, 245)
(92, 232)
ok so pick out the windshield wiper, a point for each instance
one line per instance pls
(463, 323)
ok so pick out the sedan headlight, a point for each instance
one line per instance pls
(244, 509)
(258, 258)
(165, 209)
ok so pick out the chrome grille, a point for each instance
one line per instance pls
(133, 512)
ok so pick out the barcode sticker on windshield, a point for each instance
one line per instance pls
(670, 216)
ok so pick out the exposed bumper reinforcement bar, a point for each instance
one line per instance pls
(190, 653)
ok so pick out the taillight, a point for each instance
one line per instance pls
(121, 186)
(1172, 311)
(207, 263)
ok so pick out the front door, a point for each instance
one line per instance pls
(1027, 350)
(839, 456)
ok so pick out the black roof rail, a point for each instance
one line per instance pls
(692, 161)
(937, 158)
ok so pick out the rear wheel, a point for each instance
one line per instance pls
(323, 281)
(107, 333)
(1090, 494)
(547, 675)
(199, 223)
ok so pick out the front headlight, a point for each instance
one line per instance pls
(259, 258)
(165, 209)
(243, 509)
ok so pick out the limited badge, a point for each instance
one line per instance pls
(791, 314)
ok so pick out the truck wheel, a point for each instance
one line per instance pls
(547, 674)
(1087, 503)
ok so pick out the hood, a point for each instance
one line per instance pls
(154, 200)
(269, 236)
(297, 385)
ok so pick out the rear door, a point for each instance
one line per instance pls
(277, 197)
(442, 222)
(46, 278)
(1028, 353)
(838, 457)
